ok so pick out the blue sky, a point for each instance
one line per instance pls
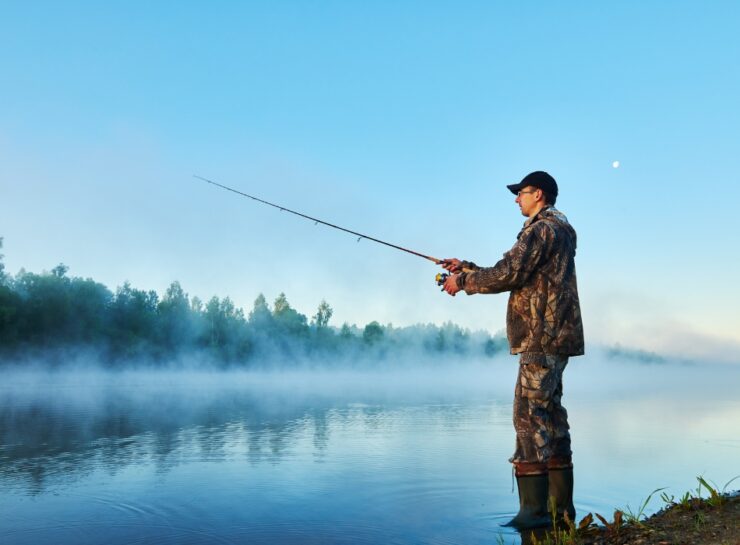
(404, 120)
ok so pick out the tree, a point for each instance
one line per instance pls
(45, 311)
(175, 319)
(260, 316)
(492, 347)
(287, 318)
(133, 318)
(222, 316)
(51, 309)
(228, 334)
(456, 338)
(89, 303)
(373, 333)
(60, 271)
(281, 305)
(2, 265)
(214, 321)
(346, 331)
(9, 302)
(323, 315)
(9, 306)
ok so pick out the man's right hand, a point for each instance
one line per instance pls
(450, 285)
(451, 264)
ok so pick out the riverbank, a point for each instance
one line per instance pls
(688, 521)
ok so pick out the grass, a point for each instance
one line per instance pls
(699, 520)
(637, 517)
(567, 532)
(686, 502)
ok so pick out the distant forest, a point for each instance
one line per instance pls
(54, 313)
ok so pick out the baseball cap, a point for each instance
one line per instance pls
(539, 179)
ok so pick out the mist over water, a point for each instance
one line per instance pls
(411, 453)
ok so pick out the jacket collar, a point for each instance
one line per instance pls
(534, 218)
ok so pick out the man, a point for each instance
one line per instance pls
(543, 326)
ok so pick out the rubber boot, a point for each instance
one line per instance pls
(532, 502)
(561, 490)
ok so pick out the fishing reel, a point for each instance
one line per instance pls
(440, 279)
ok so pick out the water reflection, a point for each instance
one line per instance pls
(44, 438)
(63, 426)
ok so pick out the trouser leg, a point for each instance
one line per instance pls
(542, 433)
(540, 421)
(560, 464)
(560, 430)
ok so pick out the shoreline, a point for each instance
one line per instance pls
(689, 521)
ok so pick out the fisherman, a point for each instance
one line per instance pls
(543, 326)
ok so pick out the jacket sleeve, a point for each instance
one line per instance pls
(516, 267)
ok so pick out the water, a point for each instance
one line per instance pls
(404, 456)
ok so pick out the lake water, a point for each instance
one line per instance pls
(413, 455)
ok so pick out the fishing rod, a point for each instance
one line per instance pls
(441, 277)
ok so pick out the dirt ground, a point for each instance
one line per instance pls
(695, 523)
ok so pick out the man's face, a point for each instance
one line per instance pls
(527, 200)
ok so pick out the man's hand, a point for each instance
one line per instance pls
(450, 285)
(453, 265)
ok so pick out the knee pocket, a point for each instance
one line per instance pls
(537, 382)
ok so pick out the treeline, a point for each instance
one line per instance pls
(53, 312)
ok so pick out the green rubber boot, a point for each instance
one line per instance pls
(561, 490)
(532, 503)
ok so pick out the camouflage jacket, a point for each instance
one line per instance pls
(543, 315)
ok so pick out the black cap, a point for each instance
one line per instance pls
(539, 179)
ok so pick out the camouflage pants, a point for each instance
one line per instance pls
(540, 421)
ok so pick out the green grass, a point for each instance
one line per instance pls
(716, 497)
(637, 517)
(567, 532)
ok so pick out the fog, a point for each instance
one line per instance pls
(142, 447)
(80, 405)
(60, 320)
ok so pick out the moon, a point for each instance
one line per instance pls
(615, 164)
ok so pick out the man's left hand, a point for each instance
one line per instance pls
(450, 285)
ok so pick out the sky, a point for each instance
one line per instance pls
(401, 120)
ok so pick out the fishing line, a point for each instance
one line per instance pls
(316, 221)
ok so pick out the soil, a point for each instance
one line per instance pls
(695, 523)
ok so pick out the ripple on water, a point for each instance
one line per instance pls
(95, 532)
(337, 532)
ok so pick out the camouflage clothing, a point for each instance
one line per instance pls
(540, 421)
(543, 324)
(543, 314)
